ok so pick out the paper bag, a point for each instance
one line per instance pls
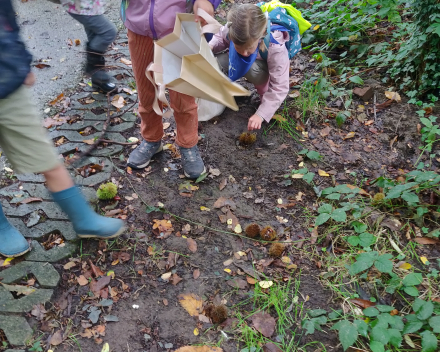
(184, 62)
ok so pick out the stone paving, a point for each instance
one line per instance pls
(36, 220)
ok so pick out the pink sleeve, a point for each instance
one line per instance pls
(278, 65)
(219, 41)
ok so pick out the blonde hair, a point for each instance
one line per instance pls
(247, 23)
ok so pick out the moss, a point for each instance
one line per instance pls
(107, 191)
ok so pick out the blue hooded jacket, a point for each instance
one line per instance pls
(15, 60)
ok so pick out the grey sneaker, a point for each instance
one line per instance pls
(141, 156)
(192, 162)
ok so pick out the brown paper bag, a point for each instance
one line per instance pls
(184, 62)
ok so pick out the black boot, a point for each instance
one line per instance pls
(94, 67)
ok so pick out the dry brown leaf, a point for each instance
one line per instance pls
(69, 265)
(279, 118)
(222, 202)
(56, 338)
(349, 135)
(20, 290)
(49, 122)
(426, 240)
(39, 311)
(362, 303)
(271, 347)
(264, 323)
(314, 235)
(196, 274)
(199, 349)
(30, 200)
(125, 61)
(175, 279)
(251, 280)
(393, 96)
(192, 303)
(237, 283)
(82, 280)
(325, 131)
(57, 99)
(192, 245)
(118, 101)
(223, 184)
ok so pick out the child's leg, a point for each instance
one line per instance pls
(100, 33)
(28, 149)
(142, 54)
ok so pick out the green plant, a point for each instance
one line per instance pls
(366, 260)
(107, 191)
(430, 131)
(364, 239)
(36, 347)
(311, 154)
(303, 173)
(327, 212)
(311, 98)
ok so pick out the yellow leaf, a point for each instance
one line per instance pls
(196, 331)
(115, 262)
(424, 260)
(241, 253)
(405, 266)
(192, 303)
(228, 270)
(229, 221)
(279, 118)
(105, 348)
(323, 173)
(297, 176)
(7, 261)
(237, 228)
(184, 236)
(166, 276)
(316, 27)
(393, 96)
(349, 135)
(265, 284)
(292, 267)
(202, 208)
(285, 260)
(111, 273)
(352, 38)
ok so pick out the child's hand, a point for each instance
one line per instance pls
(204, 5)
(254, 123)
(30, 79)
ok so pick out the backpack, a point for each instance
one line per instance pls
(287, 19)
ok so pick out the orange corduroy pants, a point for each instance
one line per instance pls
(184, 106)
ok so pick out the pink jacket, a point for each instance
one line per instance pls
(275, 90)
(156, 18)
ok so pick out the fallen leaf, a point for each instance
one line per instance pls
(325, 131)
(264, 323)
(49, 122)
(39, 311)
(362, 303)
(202, 208)
(56, 338)
(192, 303)
(314, 235)
(294, 94)
(40, 66)
(393, 96)
(118, 101)
(175, 279)
(271, 347)
(196, 331)
(323, 173)
(196, 274)
(97, 286)
(405, 266)
(237, 283)
(57, 99)
(82, 280)
(424, 260)
(125, 61)
(192, 245)
(199, 349)
(426, 240)
(279, 118)
(349, 135)
(223, 184)
(238, 229)
(265, 284)
(222, 202)
(251, 280)
(166, 276)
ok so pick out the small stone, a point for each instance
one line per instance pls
(168, 345)
(365, 93)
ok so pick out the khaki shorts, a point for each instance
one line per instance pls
(22, 137)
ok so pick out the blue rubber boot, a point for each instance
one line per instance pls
(12, 242)
(85, 221)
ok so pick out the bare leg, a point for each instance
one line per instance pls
(58, 179)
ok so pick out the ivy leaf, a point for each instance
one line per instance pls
(413, 279)
(412, 327)
(434, 323)
(322, 218)
(356, 79)
(339, 215)
(429, 341)
(411, 291)
(376, 346)
(362, 327)
(384, 264)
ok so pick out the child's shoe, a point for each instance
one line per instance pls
(86, 223)
(141, 156)
(95, 68)
(12, 242)
(192, 162)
